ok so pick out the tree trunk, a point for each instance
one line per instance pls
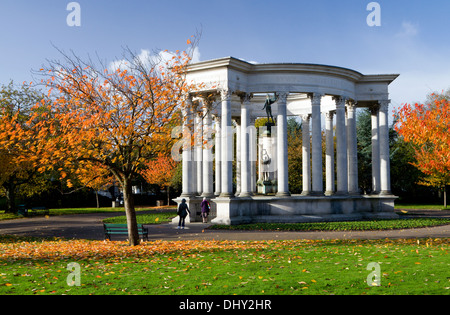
(96, 197)
(168, 195)
(445, 196)
(128, 200)
(10, 197)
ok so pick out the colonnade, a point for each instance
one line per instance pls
(198, 177)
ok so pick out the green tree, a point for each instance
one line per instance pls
(294, 136)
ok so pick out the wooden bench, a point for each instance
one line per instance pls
(122, 229)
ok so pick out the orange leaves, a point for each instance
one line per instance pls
(160, 171)
(427, 127)
(83, 249)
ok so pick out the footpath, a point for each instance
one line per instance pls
(90, 226)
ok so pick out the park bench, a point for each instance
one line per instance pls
(37, 210)
(25, 211)
(22, 210)
(122, 229)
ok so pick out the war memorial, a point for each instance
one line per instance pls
(244, 171)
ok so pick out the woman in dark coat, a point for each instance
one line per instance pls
(205, 210)
(183, 211)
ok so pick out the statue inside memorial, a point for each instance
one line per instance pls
(268, 107)
(266, 160)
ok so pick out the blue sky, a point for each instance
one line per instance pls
(412, 39)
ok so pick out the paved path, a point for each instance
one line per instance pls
(89, 226)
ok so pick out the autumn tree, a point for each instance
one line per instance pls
(160, 171)
(94, 176)
(18, 134)
(116, 116)
(427, 127)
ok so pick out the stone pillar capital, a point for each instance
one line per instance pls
(305, 117)
(384, 105)
(245, 98)
(340, 101)
(315, 98)
(329, 115)
(225, 93)
(374, 109)
(351, 105)
(282, 97)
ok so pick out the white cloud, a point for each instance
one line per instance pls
(408, 30)
(147, 59)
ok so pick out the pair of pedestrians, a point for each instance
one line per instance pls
(183, 211)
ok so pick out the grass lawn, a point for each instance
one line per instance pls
(66, 211)
(225, 267)
(150, 218)
(401, 206)
(370, 225)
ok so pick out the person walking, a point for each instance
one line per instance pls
(183, 211)
(205, 209)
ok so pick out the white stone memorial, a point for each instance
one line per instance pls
(249, 182)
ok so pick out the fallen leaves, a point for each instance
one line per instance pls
(84, 249)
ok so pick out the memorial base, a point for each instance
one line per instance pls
(297, 209)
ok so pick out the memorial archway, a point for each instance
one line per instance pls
(232, 97)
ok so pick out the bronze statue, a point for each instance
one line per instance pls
(268, 107)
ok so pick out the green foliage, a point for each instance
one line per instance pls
(294, 137)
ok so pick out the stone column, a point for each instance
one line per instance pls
(238, 155)
(353, 187)
(253, 143)
(329, 159)
(218, 156)
(341, 148)
(245, 147)
(227, 146)
(385, 176)
(207, 153)
(282, 148)
(316, 139)
(198, 137)
(306, 155)
(187, 150)
(375, 151)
